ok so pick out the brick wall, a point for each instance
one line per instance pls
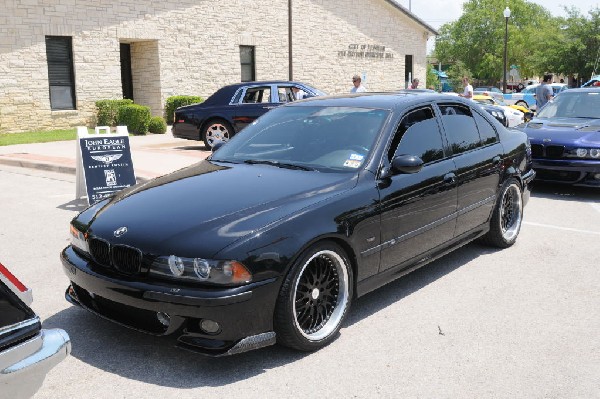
(192, 47)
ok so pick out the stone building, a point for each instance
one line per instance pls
(57, 57)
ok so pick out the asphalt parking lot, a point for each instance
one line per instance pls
(483, 323)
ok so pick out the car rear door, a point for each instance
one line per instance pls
(253, 103)
(418, 210)
(477, 153)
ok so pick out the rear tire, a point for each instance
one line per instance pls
(216, 130)
(507, 218)
(314, 298)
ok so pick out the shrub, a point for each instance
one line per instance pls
(175, 102)
(107, 111)
(157, 125)
(135, 117)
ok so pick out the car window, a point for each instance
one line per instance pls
(487, 133)
(328, 139)
(460, 127)
(572, 105)
(257, 95)
(285, 94)
(418, 134)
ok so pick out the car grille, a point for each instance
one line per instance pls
(125, 259)
(547, 151)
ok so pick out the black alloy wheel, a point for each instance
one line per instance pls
(507, 218)
(314, 298)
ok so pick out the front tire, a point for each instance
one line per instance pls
(507, 218)
(216, 130)
(314, 298)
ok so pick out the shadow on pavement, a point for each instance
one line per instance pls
(74, 205)
(564, 192)
(156, 360)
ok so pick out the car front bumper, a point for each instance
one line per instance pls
(244, 314)
(24, 366)
(575, 172)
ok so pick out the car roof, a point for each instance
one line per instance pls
(384, 100)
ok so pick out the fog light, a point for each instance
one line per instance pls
(209, 326)
(164, 318)
(597, 176)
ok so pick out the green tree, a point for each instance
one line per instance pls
(477, 37)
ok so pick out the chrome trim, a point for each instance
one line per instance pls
(397, 240)
(24, 367)
(19, 325)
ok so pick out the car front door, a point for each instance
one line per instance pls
(418, 210)
(477, 153)
(253, 103)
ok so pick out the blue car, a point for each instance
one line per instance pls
(526, 98)
(565, 138)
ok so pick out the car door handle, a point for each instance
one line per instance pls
(269, 107)
(449, 178)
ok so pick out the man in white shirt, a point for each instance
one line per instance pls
(298, 94)
(358, 87)
(468, 92)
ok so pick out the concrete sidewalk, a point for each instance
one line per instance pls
(153, 155)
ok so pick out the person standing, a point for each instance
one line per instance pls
(414, 84)
(358, 87)
(543, 93)
(468, 91)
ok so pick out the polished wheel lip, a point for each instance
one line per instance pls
(335, 315)
(511, 212)
(217, 132)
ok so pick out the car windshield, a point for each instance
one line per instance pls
(326, 139)
(571, 104)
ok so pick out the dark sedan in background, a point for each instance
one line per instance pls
(232, 108)
(565, 138)
(314, 204)
(27, 352)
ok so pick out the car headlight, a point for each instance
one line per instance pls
(223, 272)
(79, 239)
(583, 153)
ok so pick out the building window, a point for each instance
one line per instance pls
(247, 63)
(59, 52)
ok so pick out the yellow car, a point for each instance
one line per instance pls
(484, 99)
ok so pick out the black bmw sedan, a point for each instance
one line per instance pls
(311, 206)
(233, 107)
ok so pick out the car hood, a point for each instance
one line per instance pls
(579, 131)
(200, 209)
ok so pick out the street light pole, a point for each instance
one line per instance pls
(506, 17)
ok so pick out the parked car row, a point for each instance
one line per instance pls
(526, 98)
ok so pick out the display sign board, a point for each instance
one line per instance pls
(105, 160)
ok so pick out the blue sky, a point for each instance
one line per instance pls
(438, 12)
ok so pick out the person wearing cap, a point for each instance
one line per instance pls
(358, 87)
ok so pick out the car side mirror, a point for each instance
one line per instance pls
(218, 145)
(406, 164)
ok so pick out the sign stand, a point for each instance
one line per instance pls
(103, 163)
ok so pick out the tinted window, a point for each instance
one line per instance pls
(419, 134)
(487, 133)
(460, 127)
(257, 95)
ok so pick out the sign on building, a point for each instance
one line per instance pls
(104, 164)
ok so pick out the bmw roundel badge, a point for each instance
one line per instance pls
(120, 231)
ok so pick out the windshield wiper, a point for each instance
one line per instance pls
(277, 163)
